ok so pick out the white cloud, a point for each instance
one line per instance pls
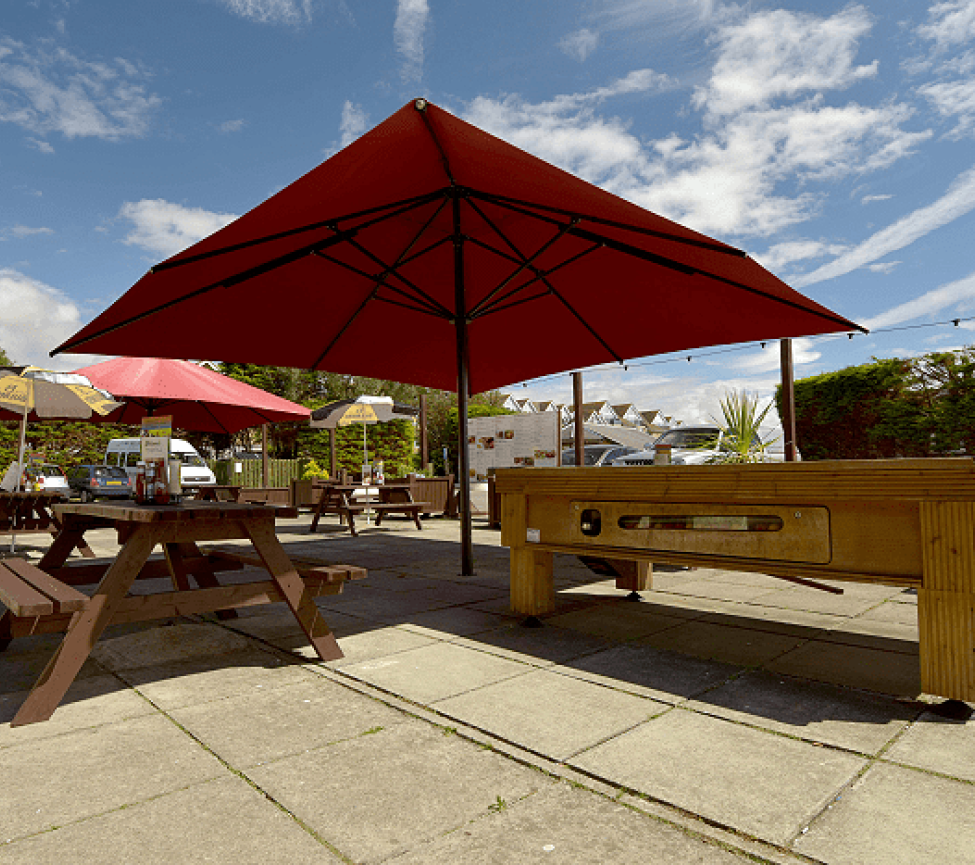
(49, 90)
(579, 45)
(665, 18)
(784, 54)
(22, 231)
(751, 171)
(953, 99)
(883, 267)
(34, 318)
(408, 32)
(867, 199)
(959, 295)
(950, 23)
(232, 125)
(956, 202)
(769, 358)
(781, 254)
(354, 122)
(272, 11)
(165, 228)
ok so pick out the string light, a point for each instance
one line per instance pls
(750, 346)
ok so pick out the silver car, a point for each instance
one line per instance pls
(690, 446)
(47, 478)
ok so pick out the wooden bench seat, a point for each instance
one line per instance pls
(39, 603)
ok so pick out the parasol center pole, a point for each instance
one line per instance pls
(463, 390)
(580, 432)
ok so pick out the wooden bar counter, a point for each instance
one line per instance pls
(896, 522)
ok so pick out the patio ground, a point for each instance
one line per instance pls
(726, 718)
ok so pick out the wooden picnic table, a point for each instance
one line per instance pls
(27, 513)
(218, 493)
(42, 598)
(340, 499)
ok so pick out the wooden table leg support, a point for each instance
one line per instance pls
(86, 629)
(294, 590)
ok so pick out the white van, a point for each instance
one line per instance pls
(194, 472)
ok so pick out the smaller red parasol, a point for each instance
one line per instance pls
(198, 398)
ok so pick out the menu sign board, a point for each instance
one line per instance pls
(511, 440)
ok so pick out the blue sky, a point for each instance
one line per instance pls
(833, 141)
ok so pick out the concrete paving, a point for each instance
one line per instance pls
(725, 718)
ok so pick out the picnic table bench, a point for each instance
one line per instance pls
(42, 598)
(393, 498)
(28, 513)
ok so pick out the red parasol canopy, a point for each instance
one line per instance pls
(197, 398)
(431, 252)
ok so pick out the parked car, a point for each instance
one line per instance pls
(689, 447)
(47, 477)
(597, 455)
(92, 482)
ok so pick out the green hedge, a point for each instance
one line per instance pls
(896, 407)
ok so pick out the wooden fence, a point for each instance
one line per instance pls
(251, 474)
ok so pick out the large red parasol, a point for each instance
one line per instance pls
(197, 398)
(431, 252)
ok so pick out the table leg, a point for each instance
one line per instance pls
(204, 575)
(64, 542)
(86, 628)
(318, 511)
(292, 588)
(6, 634)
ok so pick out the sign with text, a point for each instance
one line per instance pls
(161, 426)
(512, 440)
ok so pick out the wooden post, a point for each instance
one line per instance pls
(580, 433)
(266, 469)
(946, 600)
(532, 578)
(788, 414)
(424, 449)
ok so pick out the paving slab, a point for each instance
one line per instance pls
(763, 784)
(159, 645)
(552, 715)
(89, 702)
(619, 620)
(374, 641)
(271, 621)
(453, 622)
(91, 771)
(896, 816)
(203, 679)
(540, 647)
(854, 666)
(722, 590)
(26, 657)
(726, 643)
(939, 745)
(562, 825)
(669, 677)
(384, 793)
(850, 603)
(225, 820)
(278, 722)
(874, 634)
(435, 672)
(809, 710)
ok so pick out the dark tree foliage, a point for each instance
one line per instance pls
(894, 407)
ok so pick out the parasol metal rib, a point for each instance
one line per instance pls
(526, 264)
(635, 251)
(421, 309)
(396, 206)
(421, 108)
(503, 200)
(500, 303)
(223, 283)
(371, 277)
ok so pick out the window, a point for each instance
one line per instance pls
(133, 458)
